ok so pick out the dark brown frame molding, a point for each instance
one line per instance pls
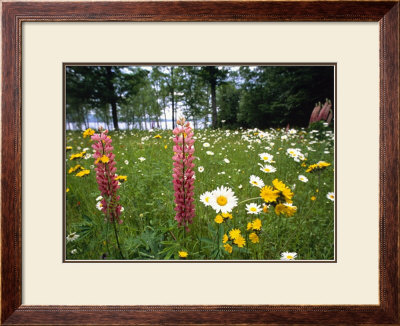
(15, 13)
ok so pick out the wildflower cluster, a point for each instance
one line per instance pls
(235, 237)
(221, 218)
(255, 228)
(280, 196)
(88, 132)
(268, 158)
(296, 154)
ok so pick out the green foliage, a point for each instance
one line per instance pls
(274, 96)
(258, 96)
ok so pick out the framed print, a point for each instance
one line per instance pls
(261, 207)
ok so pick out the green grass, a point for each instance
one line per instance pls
(149, 230)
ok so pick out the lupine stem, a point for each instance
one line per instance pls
(116, 237)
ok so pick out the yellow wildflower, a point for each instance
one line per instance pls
(68, 148)
(78, 155)
(254, 237)
(269, 194)
(228, 247)
(225, 238)
(318, 166)
(166, 146)
(88, 132)
(219, 219)
(121, 178)
(104, 159)
(227, 215)
(157, 136)
(249, 226)
(67, 190)
(82, 173)
(73, 169)
(256, 225)
(240, 241)
(313, 198)
(234, 233)
(285, 209)
(286, 192)
(182, 254)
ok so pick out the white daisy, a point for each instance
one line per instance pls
(206, 145)
(303, 178)
(72, 237)
(266, 157)
(288, 255)
(267, 168)
(205, 198)
(330, 196)
(240, 186)
(87, 156)
(223, 200)
(253, 208)
(201, 169)
(226, 160)
(256, 181)
(141, 159)
(126, 162)
(74, 251)
(209, 153)
(99, 205)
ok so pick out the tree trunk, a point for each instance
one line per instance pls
(113, 101)
(173, 97)
(165, 119)
(114, 114)
(214, 103)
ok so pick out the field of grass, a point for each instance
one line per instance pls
(225, 158)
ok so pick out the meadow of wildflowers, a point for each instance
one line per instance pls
(207, 194)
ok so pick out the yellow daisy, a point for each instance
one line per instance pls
(182, 254)
(225, 238)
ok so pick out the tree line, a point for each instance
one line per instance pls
(228, 96)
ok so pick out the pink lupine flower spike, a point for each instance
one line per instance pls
(105, 177)
(183, 174)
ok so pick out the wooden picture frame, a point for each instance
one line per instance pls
(16, 13)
